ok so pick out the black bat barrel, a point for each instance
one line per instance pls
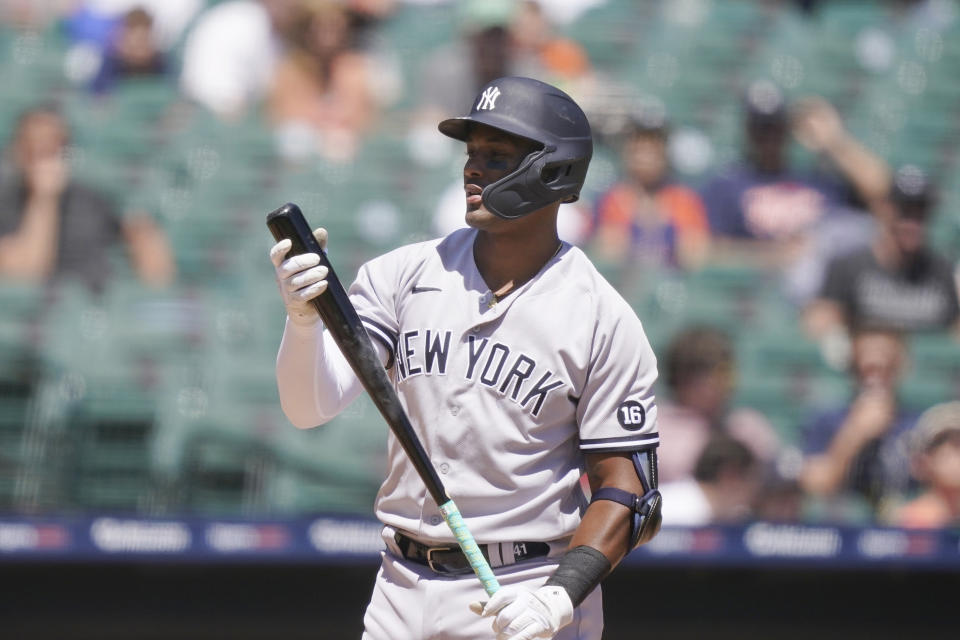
(344, 325)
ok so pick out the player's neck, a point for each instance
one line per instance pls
(507, 261)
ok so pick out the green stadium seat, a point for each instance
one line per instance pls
(922, 389)
(223, 475)
(212, 444)
(296, 491)
(33, 60)
(146, 100)
(110, 428)
(413, 32)
(613, 32)
(936, 356)
(848, 16)
(728, 297)
(14, 420)
(19, 376)
(775, 400)
(337, 466)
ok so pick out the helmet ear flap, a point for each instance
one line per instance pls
(550, 174)
(557, 177)
(565, 179)
(521, 192)
(555, 172)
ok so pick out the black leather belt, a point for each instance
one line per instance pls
(450, 559)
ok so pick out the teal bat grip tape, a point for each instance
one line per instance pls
(479, 564)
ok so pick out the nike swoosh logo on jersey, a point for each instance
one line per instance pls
(417, 289)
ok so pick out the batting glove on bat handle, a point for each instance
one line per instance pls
(522, 614)
(301, 278)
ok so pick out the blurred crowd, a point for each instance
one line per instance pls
(841, 229)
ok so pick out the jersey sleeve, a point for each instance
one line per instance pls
(373, 295)
(617, 409)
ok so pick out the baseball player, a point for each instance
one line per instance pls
(520, 367)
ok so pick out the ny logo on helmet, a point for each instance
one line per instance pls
(488, 99)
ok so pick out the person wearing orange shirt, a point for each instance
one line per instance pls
(321, 101)
(646, 216)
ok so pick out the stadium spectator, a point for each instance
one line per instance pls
(231, 53)
(539, 52)
(133, 53)
(700, 374)
(647, 217)
(93, 22)
(721, 490)
(765, 212)
(898, 282)
(935, 463)
(855, 455)
(320, 100)
(53, 227)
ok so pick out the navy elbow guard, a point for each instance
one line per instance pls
(645, 516)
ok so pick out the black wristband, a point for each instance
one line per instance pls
(580, 570)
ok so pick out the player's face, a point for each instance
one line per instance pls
(491, 155)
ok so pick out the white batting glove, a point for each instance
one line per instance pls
(301, 279)
(522, 614)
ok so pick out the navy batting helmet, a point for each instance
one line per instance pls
(546, 115)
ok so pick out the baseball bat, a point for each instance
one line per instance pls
(344, 325)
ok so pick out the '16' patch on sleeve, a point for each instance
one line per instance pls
(631, 415)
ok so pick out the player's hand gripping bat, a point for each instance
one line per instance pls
(344, 326)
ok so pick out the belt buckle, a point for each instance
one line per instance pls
(430, 552)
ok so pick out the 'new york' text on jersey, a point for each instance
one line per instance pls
(507, 396)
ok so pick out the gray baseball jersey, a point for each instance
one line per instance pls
(506, 396)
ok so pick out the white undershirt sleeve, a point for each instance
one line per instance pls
(315, 381)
